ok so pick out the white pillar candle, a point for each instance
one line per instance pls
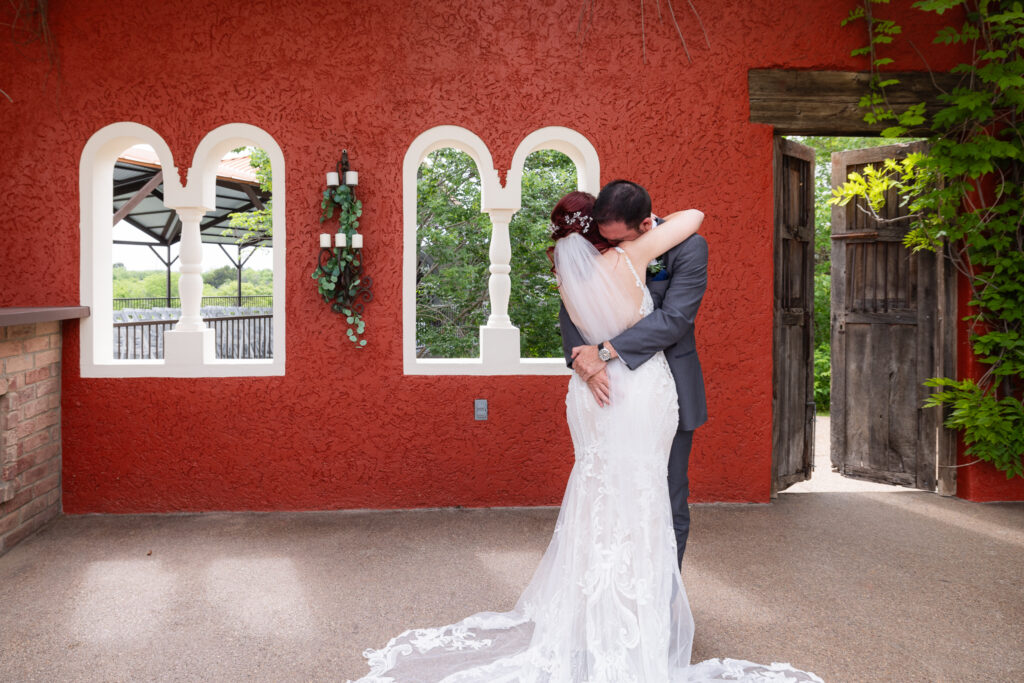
(332, 179)
(339, 239)
(351, 177)
(325, 241)
(357, 241)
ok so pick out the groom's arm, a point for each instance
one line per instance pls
(597, 381)
(675, 318)
(570, 335)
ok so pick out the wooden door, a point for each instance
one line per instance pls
(793, 326)
(884, 334)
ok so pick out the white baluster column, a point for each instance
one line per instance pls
(190, 284)
(499, 339)
(190, 342)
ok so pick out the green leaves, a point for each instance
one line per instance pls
(855, 14)
(874, 184)
(341, 200)
(354, 332)
(937, 6)
(257, 225)
(337, 279)
(993, 428)
(822, 379)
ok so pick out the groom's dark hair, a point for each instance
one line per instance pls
(622, 200)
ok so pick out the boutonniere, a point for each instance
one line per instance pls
(656, 266)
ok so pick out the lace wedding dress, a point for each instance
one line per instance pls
(606, 604)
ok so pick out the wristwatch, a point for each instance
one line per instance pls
(603, 353)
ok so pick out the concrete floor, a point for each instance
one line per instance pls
(823, 479)
(856, 586)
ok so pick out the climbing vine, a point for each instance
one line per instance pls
(964, 196)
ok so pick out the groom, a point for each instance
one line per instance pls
(623, 212)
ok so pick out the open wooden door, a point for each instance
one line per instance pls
(793, 327)
(886, 338)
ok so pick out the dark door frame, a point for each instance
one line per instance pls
(813, 102)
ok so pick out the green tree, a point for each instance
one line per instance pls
(257, 228)
(154, 284)
(452, 256)
(258, 224)
(533, 306)
(223, 281)
(218, 276)
(137, 284)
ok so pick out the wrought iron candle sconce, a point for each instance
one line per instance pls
(339, 273)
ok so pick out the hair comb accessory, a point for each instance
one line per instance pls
(579, 219)
(576, 218)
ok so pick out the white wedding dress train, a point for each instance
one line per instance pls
(606, 603)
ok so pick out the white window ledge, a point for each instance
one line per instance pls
(159, 368)
(476, 366)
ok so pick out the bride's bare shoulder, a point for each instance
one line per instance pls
(631, 250)
(611, 256)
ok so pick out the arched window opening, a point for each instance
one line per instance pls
(453, 237)
(237, 244)
(153, 252)
(238, 259)
(478, 296)
(533, 305)
(144, 253)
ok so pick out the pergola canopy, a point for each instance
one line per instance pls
(138, 200)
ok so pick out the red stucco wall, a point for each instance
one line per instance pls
(344, 428)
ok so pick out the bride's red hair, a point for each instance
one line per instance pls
(564, 221)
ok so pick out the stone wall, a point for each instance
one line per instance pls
(30, 445)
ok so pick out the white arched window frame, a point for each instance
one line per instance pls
(499, 338)
(189, 348)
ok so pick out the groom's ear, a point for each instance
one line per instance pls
(645, 225)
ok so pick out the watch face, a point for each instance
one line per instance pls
(604, 354)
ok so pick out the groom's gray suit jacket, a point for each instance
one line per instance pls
(670, 328)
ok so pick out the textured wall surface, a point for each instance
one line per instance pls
(344, 428)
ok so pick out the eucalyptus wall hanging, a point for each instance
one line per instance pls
(339, 271)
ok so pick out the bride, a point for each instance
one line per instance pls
(606, 604)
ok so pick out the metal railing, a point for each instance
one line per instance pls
(140, 340)
(244, 336)
(237, 336)
(250, 301)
